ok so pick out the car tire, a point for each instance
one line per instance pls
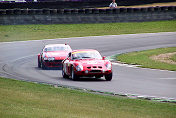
(108, 77)
(63, 74)
(39, 64)
(73, 75)
(43, 66)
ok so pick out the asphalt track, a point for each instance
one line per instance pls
(18, 60)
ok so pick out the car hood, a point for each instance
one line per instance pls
(57, 54)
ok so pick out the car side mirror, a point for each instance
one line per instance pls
(104, 57)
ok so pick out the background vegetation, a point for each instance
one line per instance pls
(38, 32)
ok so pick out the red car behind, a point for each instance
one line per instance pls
(86, 63)
(52, 55)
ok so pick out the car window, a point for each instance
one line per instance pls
(58, 48)
(86, 54)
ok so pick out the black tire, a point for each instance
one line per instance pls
(39, 64)
(73, 75)
(43, 66)
(108, 77)
(63, 74)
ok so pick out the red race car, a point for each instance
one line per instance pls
(52, 55)
(86, 63)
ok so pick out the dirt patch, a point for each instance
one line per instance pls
(164, 58)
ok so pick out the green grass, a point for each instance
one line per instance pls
(142, 58)
(29, 100)
(173, 58)
(37, 32)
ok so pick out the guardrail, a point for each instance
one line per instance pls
(85, 11)
(73, 16)
(56, 4)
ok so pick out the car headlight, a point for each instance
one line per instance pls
(79, 67)
(108, 66)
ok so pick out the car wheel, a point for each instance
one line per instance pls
(108, 77)
(63, 74)
(43, 66)
(73, 76)
(39, 64)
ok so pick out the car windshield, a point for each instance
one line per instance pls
(58, 48)
(86, 55)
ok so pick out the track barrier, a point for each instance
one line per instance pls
(46, 15)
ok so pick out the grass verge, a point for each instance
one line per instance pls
(173, 58)
(22, 99)
(142, 58)
(37, 32)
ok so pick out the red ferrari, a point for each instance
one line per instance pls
(52, 55)
(86, 63)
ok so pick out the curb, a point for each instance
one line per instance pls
(133, 96)
(128, 95)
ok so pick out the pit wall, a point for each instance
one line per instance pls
(74, 16)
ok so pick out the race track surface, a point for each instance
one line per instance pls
(18, 60)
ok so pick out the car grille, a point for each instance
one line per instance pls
(57, 61)
(95, 71)
(89, 67)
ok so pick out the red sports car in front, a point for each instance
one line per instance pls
(52, 55)
(86, 63)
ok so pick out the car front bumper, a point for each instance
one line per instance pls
(90, 73)
(53, 63)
